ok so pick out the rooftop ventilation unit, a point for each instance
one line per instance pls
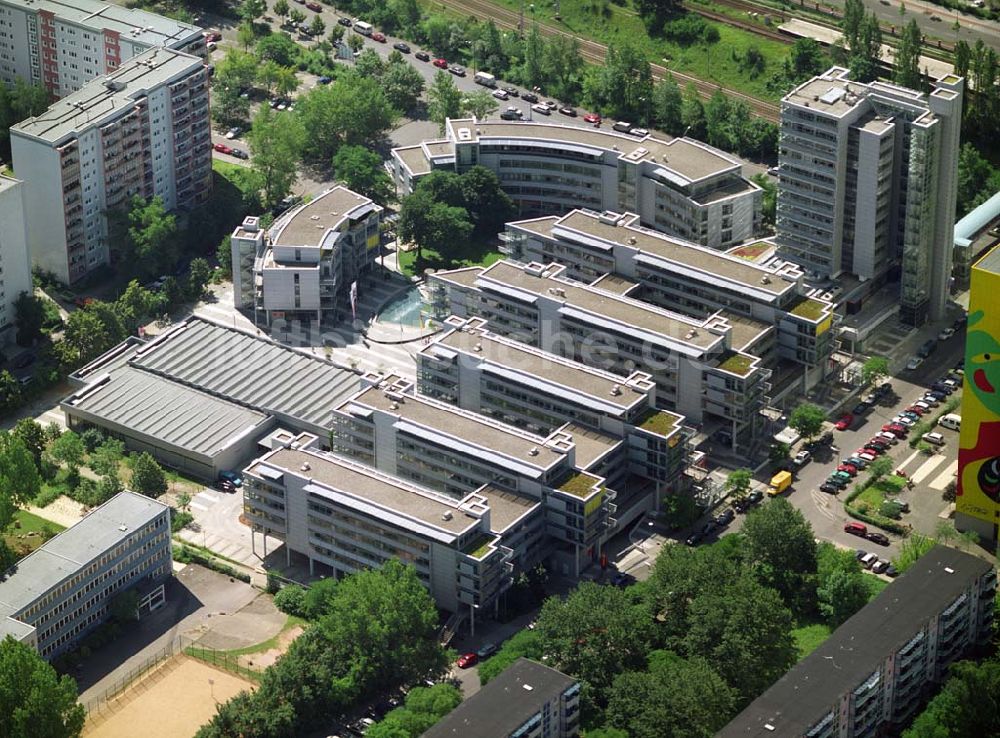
(631, 240)
(765, 279)
(533, 451)
(616, 390)
(446, 515)
(478, 347)
(123, 527)
(305, 466)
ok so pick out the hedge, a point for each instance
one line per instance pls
(879, 521)
(188, 555)
(924, 426)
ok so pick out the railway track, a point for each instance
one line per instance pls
(753, 28)
(595, 53)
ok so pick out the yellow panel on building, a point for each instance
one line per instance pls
(978, 502)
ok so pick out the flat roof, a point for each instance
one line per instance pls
(813, 687)
(414, 158)
(591, 445)
(627, 312)
(831, 92)
(249, 370)
(169, 411)
(506, 507)
(468, 429)
(74, 549)
(308, 224)
(615, 283)
(745, 330)
(132, 23)
(572, 376)
(505, 703)
(990, 262)
(711, 263)
(108, 97)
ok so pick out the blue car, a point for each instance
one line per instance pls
(232, 477)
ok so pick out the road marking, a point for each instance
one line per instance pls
(941, 481)
(909, 458)
(199, 506)
(926, 468)
(822, 501)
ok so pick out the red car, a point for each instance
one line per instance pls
(315, 7)
(440, 63)
(845, 422)
(592, 118)
(467, 660)
(378, 36)
(870, 450)
(848, 469)
(213, 36)
(916, 409)
(222, 149)
(897, 429)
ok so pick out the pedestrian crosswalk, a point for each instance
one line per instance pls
(204, 500)
(941, 480)
(927, 468)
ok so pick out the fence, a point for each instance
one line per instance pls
(227, 660)
(100, 703)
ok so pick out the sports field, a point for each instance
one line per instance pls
(171, 702)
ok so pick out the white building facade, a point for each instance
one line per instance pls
(15, 264)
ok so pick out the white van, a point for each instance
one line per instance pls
(365, 29)
(485, 79)
(952, 421)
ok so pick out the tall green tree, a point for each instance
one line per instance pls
(35, 702)
(693, 113)
(807, 419)
(444, 99)
(668, 106)
(874, 369)
(479, 104)
(486, 202)
(68, 449)
(147, 476)
(277, 47)
(854, 15)
(840, 595)
(906, 64)
(403, 85)
(280, 8)
(362, 171)
(431, 224)
(654, 13)
(151, 246)
(532, 69)
(29, 317)
(623, 86)
(199, 275)
(867, 53)
(738, 483)
(19, 479)
(805, 60)
(276, 142)
(32, 435)
(781, 549)
(251, 10)
(769, 202)
(965, 706)
(89, 333)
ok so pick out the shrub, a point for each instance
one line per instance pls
(891, 509)
(291, 600)
(690, 29)
(92, 438)
(47, 496)
(179, 520)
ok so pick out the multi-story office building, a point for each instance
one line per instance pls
(526, 700)
(15, 264)
(64, 44)
(345, 517)
(867, 183)
(142, 130)
(308, 260)
(876, 669)
(689, 279)
(63, 589)
(700, 366)
(455, 452)
(977, 506)
(682, 187)
(476, 369)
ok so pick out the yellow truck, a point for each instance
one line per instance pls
(779, 483)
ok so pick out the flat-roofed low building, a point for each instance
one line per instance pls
(306, 262)
(693, 362)
(681, 186)
(453, 451)
(869, 677)
(526, 700)
(62, 590)
(767, 303)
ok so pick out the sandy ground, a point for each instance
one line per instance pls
(267, 658)
(172, 702)
(63, 510)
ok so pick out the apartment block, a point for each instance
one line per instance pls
(15, 264)
(870, 676)
(64, 44)
(62, 590)
(682, 187)
(346, 517)
(142, 130)
(475, 369)
(308, 260)
(768, 302)
(526, 700)
(454, 452)
(867, 183)
(698, 367)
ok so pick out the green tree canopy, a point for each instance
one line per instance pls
(35, 702)
(738, 483)
(152, 244)
(19, 479)
(361, 170)
(781, 549)
(479, 103)
(68, 449)
(30, 432)
(668, 106)
(807, 419)
(874, 369)
(965, 706)
(806, 59)
(906, 63)
(431, 224)
(276, 142)
(279, 48)
(147, 476)
(840, 595)
(29, 316)
(444, 99)
(623, 86)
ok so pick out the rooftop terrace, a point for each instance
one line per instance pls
(307, 224)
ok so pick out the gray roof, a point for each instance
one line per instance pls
(506, 703)
(73, 549)
(249, 370)
(109, 97)
(967, 228)
(308, 224)
(168, 411)
(857, 648)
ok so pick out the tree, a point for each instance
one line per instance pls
(251, 10)
(68, 449)
(276, 142)
(444, 99)
(246, 36)
(880, 467)
(317, 27)
(369, 64)
(89, 333)
(781, 549)
(532, 71)
(906, 64)
(805, 59)
(336, 35)
(431, 224)
(147, 476)
(403, 85)
(199, 275)
(136, 305)
(873, 370)
(769, 203)
(355, 42)
(945, 532)
(526, 643)
(668, 105)
(486, 202)
(867, 53)
(151, 245)
(854, 14)
(654, 13)
(29, 318)
(10, 391)
(19, 479)
(280, 8)
(362, 171)
(807, 419)
(965, 706)
(30, 432)
(977, 179)
(912, 548)
(479, 103)
(279, 48)
(623, 86)
(104, 459)
(35, 702)
(676, 697)
(738, 483)
(841, 595)
(693, 113)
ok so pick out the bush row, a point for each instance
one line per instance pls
(188, 555)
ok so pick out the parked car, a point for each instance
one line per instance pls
(856, 529)
(902, 419)
(875, 537)
(837, 481)
(880, 566)
(859, 553)
(857, 463)
(755, 496)
(231, 476)
(829, 487)
(222, 148)
(868, 560)
(930, 400)
(213, 36)
(848, 469)
(23, 361)
(861, 408)
(567, 110)
(324, 80)
(917, 410)
(845, 422)
(621, 580)
(314, 7)
(486, 650)
(694, 539)
(466, 660)
(927, 348)
(540, 108)
(891, 571)
(551, 104)
(378, 36)
(911, 415)
(891, 438)
(801, 459)
(914, 363)
(423, 56)
(946, 334)
(401, 47)
(440, 63)
(725, 518)
(345, 22)
(640, 132)
(457, 69)
(226, 486)
(883, 389)
(512, 91)
(880, 442)
(936, 438)
(529, 97)
(239, 154)
(501, 94)
(592, 118)
(511, 114)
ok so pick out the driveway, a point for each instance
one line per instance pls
(217, 527)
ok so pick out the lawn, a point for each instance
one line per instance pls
(719, 62)
(28, 532)
(809, 637)
(469, 254)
